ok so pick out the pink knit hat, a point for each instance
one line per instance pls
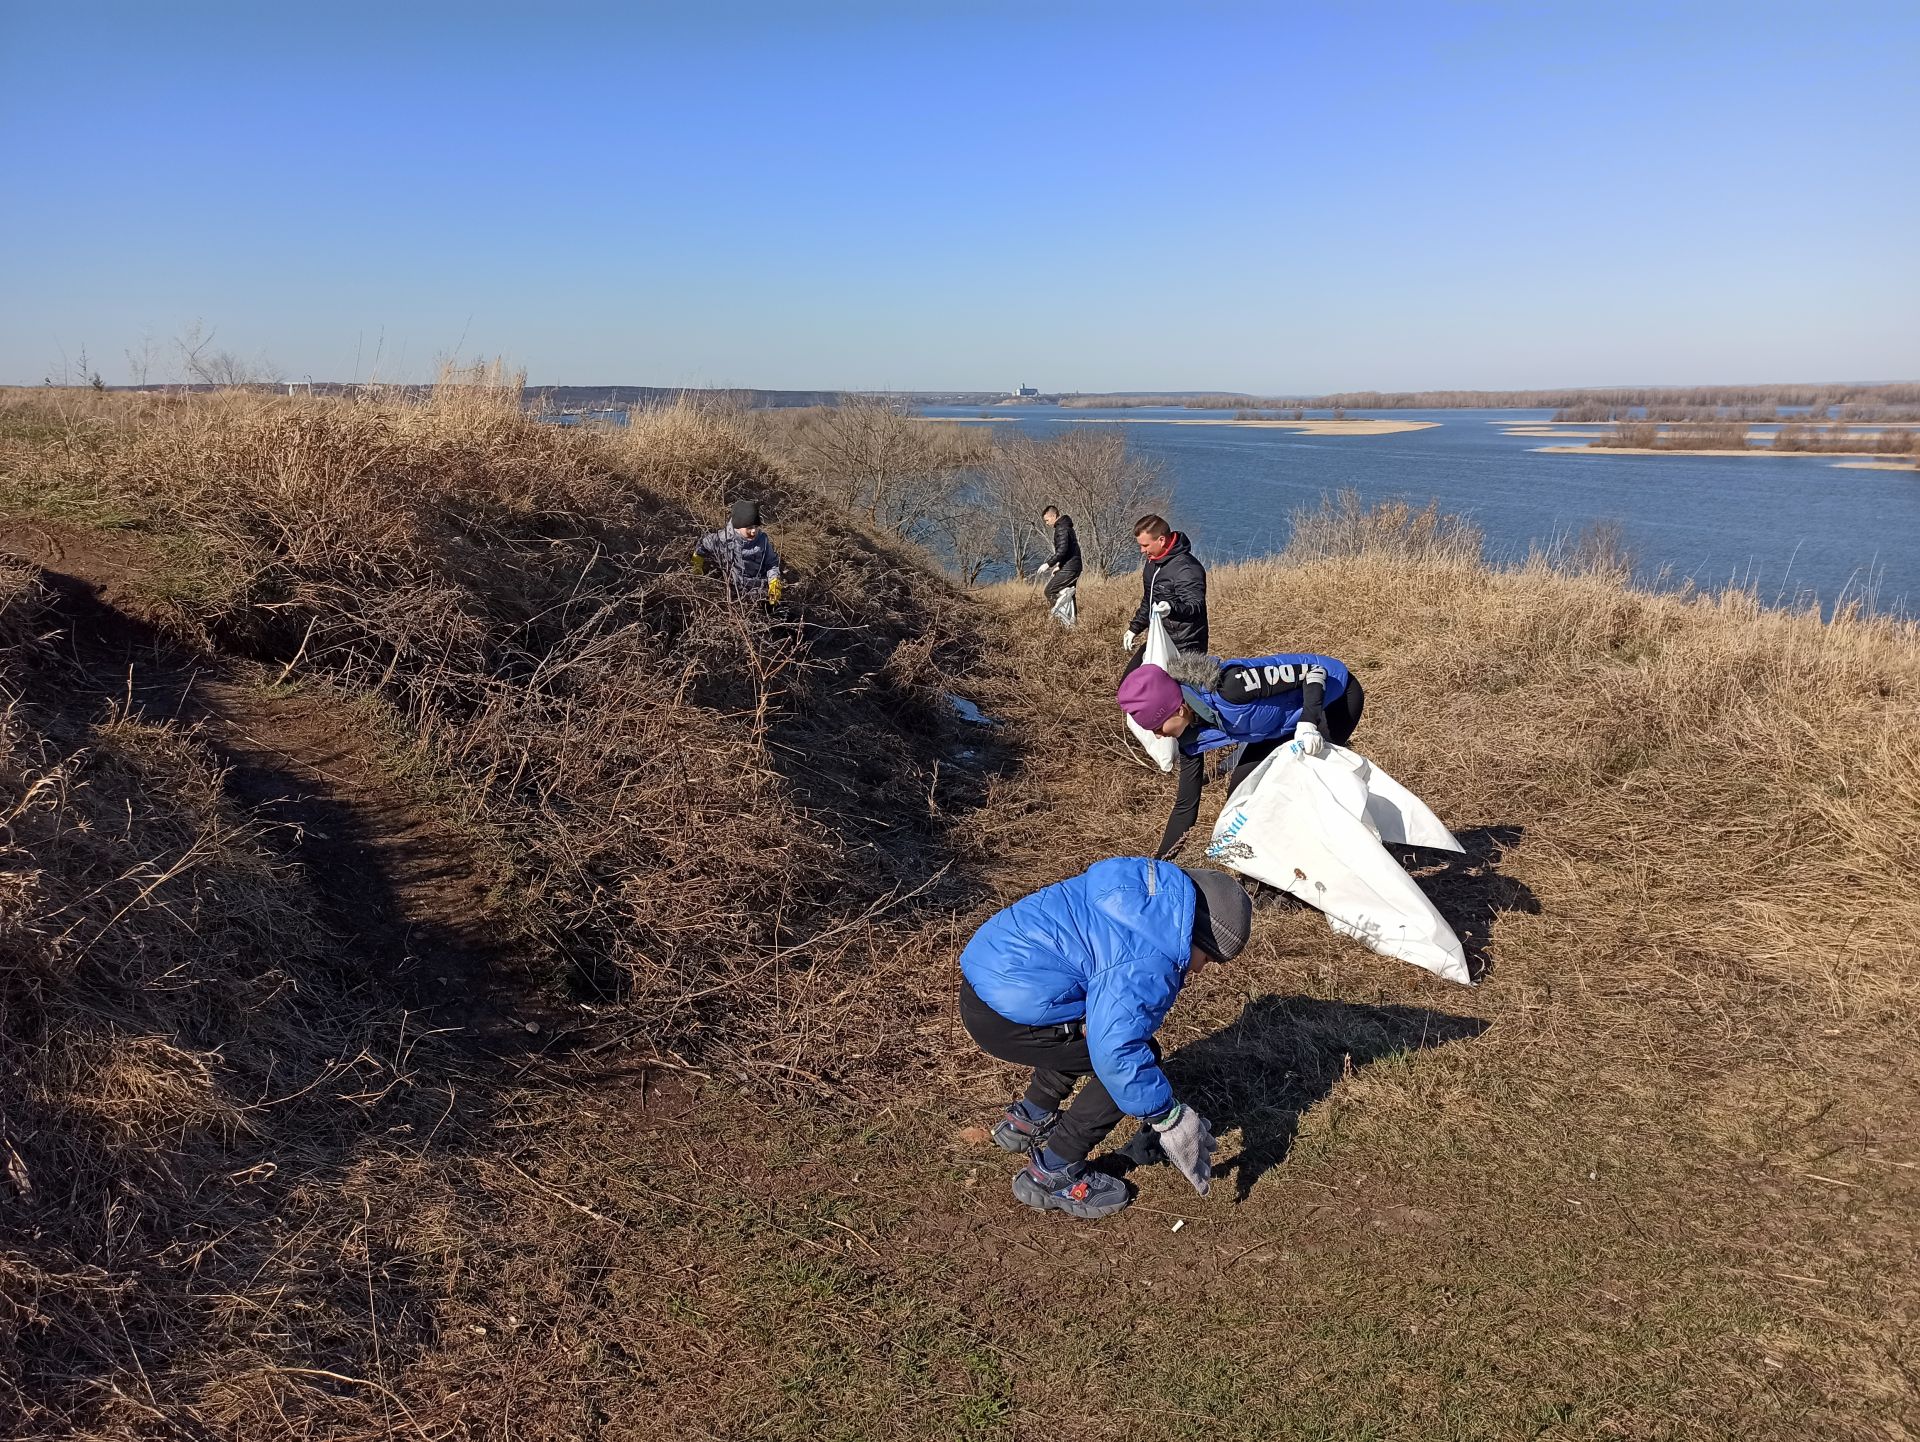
(1150, 696)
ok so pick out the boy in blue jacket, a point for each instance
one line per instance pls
(1260, 702)
(1073, 981)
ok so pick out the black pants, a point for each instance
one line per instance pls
(1061, 579)
(1343, 719)
(1059, 1058)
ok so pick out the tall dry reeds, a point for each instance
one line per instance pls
(1344, 525)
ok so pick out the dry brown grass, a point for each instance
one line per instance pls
(1693, 826)
(1656, 1182)
(185, 1049)
(519, 594)
(1715, 763)
(689, 834)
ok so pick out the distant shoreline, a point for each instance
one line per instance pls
(1550, 432)
(1683, 451)
(1359, 426)
(1353, 427)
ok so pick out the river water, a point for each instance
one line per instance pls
(1792, 528)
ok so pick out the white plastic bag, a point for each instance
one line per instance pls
(1064, 610)
(1313, 826)
(1161, 749)
(1398, 816)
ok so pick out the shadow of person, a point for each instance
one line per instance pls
(1283, 1054)
(1468, 889)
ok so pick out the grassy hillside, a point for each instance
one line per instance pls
(462, 979)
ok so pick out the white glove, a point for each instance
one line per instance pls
(1039, 571)
(1187, 1139)
(1127, 644)
(1163, 608)
(1308, 741)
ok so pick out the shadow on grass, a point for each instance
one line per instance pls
(1285, 1053)
(1468, 889)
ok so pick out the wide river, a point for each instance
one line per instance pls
(1789, 527)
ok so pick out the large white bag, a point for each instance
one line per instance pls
(1159, 653)
(1313, 826)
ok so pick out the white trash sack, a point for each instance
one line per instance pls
(1159, 653)
(1064, 610)
(1315, 827)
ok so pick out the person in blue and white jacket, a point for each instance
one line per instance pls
(744, 552)
(1073, 981)
(1259, 702)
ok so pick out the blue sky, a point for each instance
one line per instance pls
(1269, 197)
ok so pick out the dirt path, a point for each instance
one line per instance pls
(407, 891)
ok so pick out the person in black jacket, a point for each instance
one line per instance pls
(1064, 569)
(1172, 582)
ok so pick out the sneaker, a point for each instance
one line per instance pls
(1018, 1131)
(1143, 1149)
(1075, 1190)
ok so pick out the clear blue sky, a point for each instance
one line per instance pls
(1271, 197)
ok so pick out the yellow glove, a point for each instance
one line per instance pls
(699, 564)
(773, 590)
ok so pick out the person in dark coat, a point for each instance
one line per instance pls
(1259, 702)
(1172, 582)
(1064, 567)
(1073, 981)
(744, 553)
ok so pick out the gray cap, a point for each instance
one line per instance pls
(1222, 913)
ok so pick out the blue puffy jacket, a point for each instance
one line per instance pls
(1110, 946)
(1260, 698)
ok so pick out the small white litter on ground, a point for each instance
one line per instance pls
(969, 712)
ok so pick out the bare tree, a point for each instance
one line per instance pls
(77, 371)
(1090, 474)
(974, 537)
(141, 359)
(1010, 485)
(209, 367)
(902, 473)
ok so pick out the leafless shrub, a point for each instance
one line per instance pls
(203, 365)
(873, 455)
(1892, 441)
(1091, 475)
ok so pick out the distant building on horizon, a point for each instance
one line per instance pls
(1023, 391)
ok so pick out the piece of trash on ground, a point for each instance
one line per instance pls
(969, 712)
